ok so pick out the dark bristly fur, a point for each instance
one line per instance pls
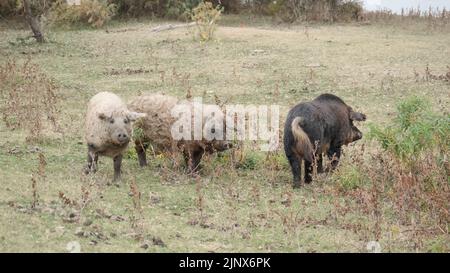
(320, 126)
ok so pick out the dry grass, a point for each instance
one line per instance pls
(250, 208)
(28, 98)
(432, 19)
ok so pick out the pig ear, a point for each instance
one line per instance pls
(102, 116)
(133, 116)
(357, 116)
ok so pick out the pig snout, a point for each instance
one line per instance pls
(356, 134)
(123, 137)
(222, 146)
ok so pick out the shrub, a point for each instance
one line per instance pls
(28, 98)
(176, 9)
(95, 13)
(309, 10)
(414, 131)
(229, 6)
(249, 162)
(206, 16)
(350, 177)
(350, 10)
(407, 177)
(7, 7)
(136, 8)
(410, 172)
(38, 7)
(173, 9)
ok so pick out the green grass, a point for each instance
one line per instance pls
(252, 208)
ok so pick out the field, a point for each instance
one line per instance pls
(252, 208)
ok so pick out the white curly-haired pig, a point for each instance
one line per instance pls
(108, 130)
(156, 130)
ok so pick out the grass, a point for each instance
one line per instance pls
(228, 209)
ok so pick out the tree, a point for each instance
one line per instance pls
(33, 21)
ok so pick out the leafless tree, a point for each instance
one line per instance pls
(33, 21)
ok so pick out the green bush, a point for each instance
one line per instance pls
(136, 8)
(176, 9)
(309, 10)
(38, 7)
(7, 7)
(350, 177)
(172, 9)
(350, 10)
(249, 162)
(95, 13)
(413, 131)
(229, 6)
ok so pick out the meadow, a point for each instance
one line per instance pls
(243, 200)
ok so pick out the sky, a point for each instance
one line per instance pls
(397, 5)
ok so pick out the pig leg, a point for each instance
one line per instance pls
(117, 167)
(92, 159)
(196, 158)
(95, 162)
(140, 150)
(192, 159)
(308, 171)
(334, 154)
(296, 170)
(188, 158)
(319, 163)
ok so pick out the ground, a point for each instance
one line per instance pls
(226, 209)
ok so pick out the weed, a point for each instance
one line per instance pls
(95, 13)
(206, 16)
(28, 98)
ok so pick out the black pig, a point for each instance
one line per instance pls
(320, 126)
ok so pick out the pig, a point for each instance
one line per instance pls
(156, 131)
(321, 126)
(108, 130)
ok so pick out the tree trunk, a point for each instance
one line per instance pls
(33, 22)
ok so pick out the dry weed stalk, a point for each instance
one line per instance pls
(38, 178)
(136, 219)
(28, 98)
(200, 203)
(34, 190)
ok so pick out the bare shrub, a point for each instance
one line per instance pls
(432, 19)
(35, 195)
(136, 217)
(310, 10)
(408, 174)
(94, 13)
(7, 7)
(206, 16)
(28, 98)
(173, 9)
(38, 177)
